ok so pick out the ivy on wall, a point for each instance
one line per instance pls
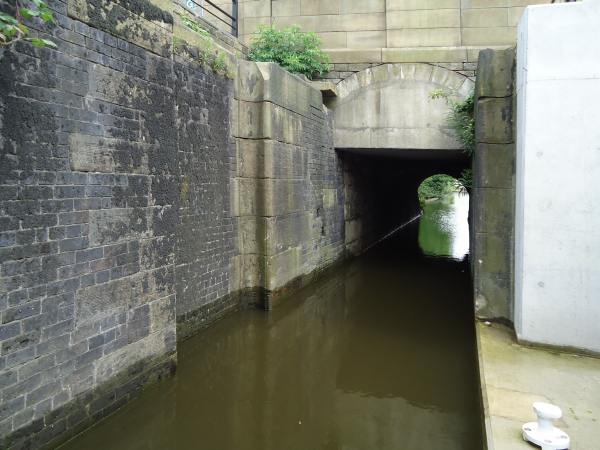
(461, 119)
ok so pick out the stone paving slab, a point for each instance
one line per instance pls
(514, 376)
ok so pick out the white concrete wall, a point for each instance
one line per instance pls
(557, 298)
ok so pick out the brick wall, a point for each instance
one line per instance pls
(206, 232)
(114, 202)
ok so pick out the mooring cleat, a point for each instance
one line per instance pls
(543, 432)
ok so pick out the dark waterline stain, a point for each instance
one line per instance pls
(378, 355)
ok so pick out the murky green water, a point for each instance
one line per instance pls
(379, 355)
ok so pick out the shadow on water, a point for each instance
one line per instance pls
(378, 355)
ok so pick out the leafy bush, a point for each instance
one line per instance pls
(466, 179)
(461, 118)
(437, 186)
(292, 49)
(13, 28)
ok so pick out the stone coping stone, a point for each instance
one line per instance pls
(431, 54)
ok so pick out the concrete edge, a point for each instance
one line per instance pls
(483, 398)
(558, 349)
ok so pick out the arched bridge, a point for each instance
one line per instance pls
(389, 107)
(391, 135)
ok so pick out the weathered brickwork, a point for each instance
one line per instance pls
(205, 237)
(114, 219)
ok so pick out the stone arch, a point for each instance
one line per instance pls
(389, 107)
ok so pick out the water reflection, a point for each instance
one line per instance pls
(379, 355)
(444, 227)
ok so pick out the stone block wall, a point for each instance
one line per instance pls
(493, 199)
(115, 215)
(394, 31)
(289, 186)
(390, 106)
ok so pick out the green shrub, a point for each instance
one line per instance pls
(292, 49)
(437, 186)
(219, 63)
(13, 28)
(461, 118)
(466, 179)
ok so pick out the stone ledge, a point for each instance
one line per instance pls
(424, 54)
(429, 54)
(346, 55)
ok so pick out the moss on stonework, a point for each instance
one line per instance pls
(209, 57)
(148, 10)
(116, 18)
(142, 8)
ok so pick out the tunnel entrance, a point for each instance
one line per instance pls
(381, 189)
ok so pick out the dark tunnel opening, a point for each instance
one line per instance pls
(381, 189)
